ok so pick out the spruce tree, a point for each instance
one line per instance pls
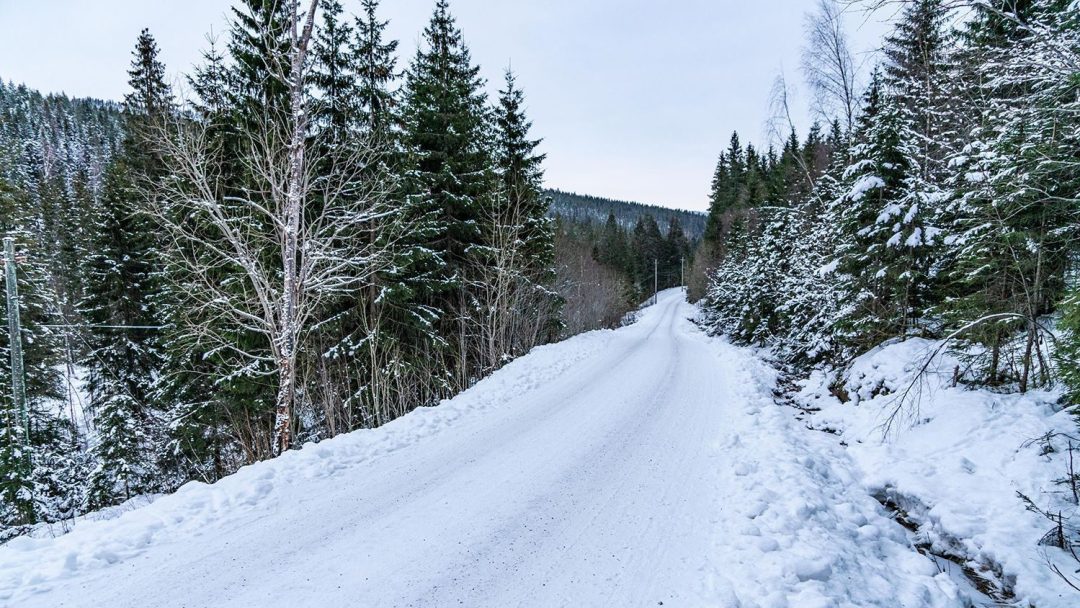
(1016, 184)
(333, 77)
(1067, 354)
(717, 202)
(519, 170)
(210, 82)
(124, 355)
(16, 452)
(916, 76)
(647, 251)
(809, 306)
(150, 95)
(375, 60)
(258, 43)
(611, 248)
(677, 248)
(198, 442)
(449, 178)
(883, 256)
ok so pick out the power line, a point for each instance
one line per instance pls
(61, 326)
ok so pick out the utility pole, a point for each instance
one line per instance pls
(655, 281)
(682, 271)
(18, 380)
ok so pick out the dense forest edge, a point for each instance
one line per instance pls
(933, 204)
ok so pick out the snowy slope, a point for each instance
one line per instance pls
(619, 468)
(956, 459)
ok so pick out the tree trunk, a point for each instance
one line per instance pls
(995, 359)
(1025, 374)
(294, 200)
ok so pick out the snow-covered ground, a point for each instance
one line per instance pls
(644, 466)
(956, 460)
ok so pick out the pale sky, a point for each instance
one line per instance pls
(634, 98)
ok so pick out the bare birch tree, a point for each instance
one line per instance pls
(513, 309)
(266, 261)
(828, 65)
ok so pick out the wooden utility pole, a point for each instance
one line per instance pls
(18, 380)
(655, 281)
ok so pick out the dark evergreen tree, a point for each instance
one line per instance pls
(450, 176)
(258, 38)
(1015, 210)
(916, 77)
(210, 82)
(884, 250)
(124, 352)
(611, 247)
(374, 60)
(520, 174)
(677, 253)
(333, 78)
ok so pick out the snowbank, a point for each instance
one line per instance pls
(100, 540)
(955, 459)
(806, 533)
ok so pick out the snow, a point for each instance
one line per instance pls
(643, 466)
(956, 459)
(865, 184)
(829, 268)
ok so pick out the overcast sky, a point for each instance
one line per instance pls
(634, 98)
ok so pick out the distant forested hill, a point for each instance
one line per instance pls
(54, 140)
(582, 208)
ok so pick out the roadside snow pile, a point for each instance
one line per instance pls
(99, 540)
(957, 461)
(799, 529)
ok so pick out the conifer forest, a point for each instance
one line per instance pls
(312, 310)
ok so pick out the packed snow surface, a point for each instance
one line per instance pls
(644, 466)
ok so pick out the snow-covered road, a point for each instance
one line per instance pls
(640, 467)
